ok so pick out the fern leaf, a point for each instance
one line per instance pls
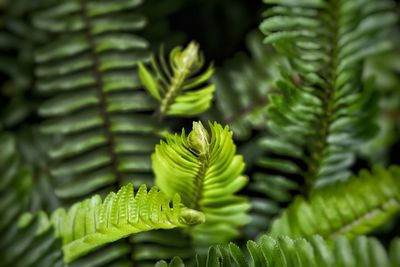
(350, 208)
(325, 111)
(284, 251)
(206, 173)
(93, 222)
(179, 86)
(94, 98)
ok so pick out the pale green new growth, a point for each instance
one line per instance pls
(93, 222)
(178, 86)
(204, 170)
(350, 208)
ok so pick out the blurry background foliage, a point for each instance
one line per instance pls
(227, 31)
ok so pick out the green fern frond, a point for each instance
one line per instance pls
(350, 208)
(15, 183)
(271, 193)
(206, 173)
(26, 245)
(95, 100)
(178, 86)
(325, 111)
(93, 222)
(21, 246)
(385, 69)
(243, 84)
(285, 252)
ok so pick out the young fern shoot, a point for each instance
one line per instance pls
(178, 87)
(204, 170)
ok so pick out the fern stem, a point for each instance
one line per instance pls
(103, 106)
(176, 84)
(368, 216)
(320, 144)
(199, 180)
(100, 94)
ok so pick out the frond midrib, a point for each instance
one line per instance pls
(99, 84)
(367, 216)
(320, 144)
(177, 82)
(199, 181)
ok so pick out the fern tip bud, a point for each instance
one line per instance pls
(199, 138)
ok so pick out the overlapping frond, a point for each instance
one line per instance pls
(95, 101)
(15, 183)
(314, 252)
(21, 247)
(385, 69)
(179, 86)
(94, 222)
(243, 84)
(29, 246)
(325, 110)
(271, 193)
(206, 173)
(350, 208)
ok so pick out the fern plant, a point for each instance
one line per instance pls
(107, 181)
(204, 170)
(325, 110)
(326, 92)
